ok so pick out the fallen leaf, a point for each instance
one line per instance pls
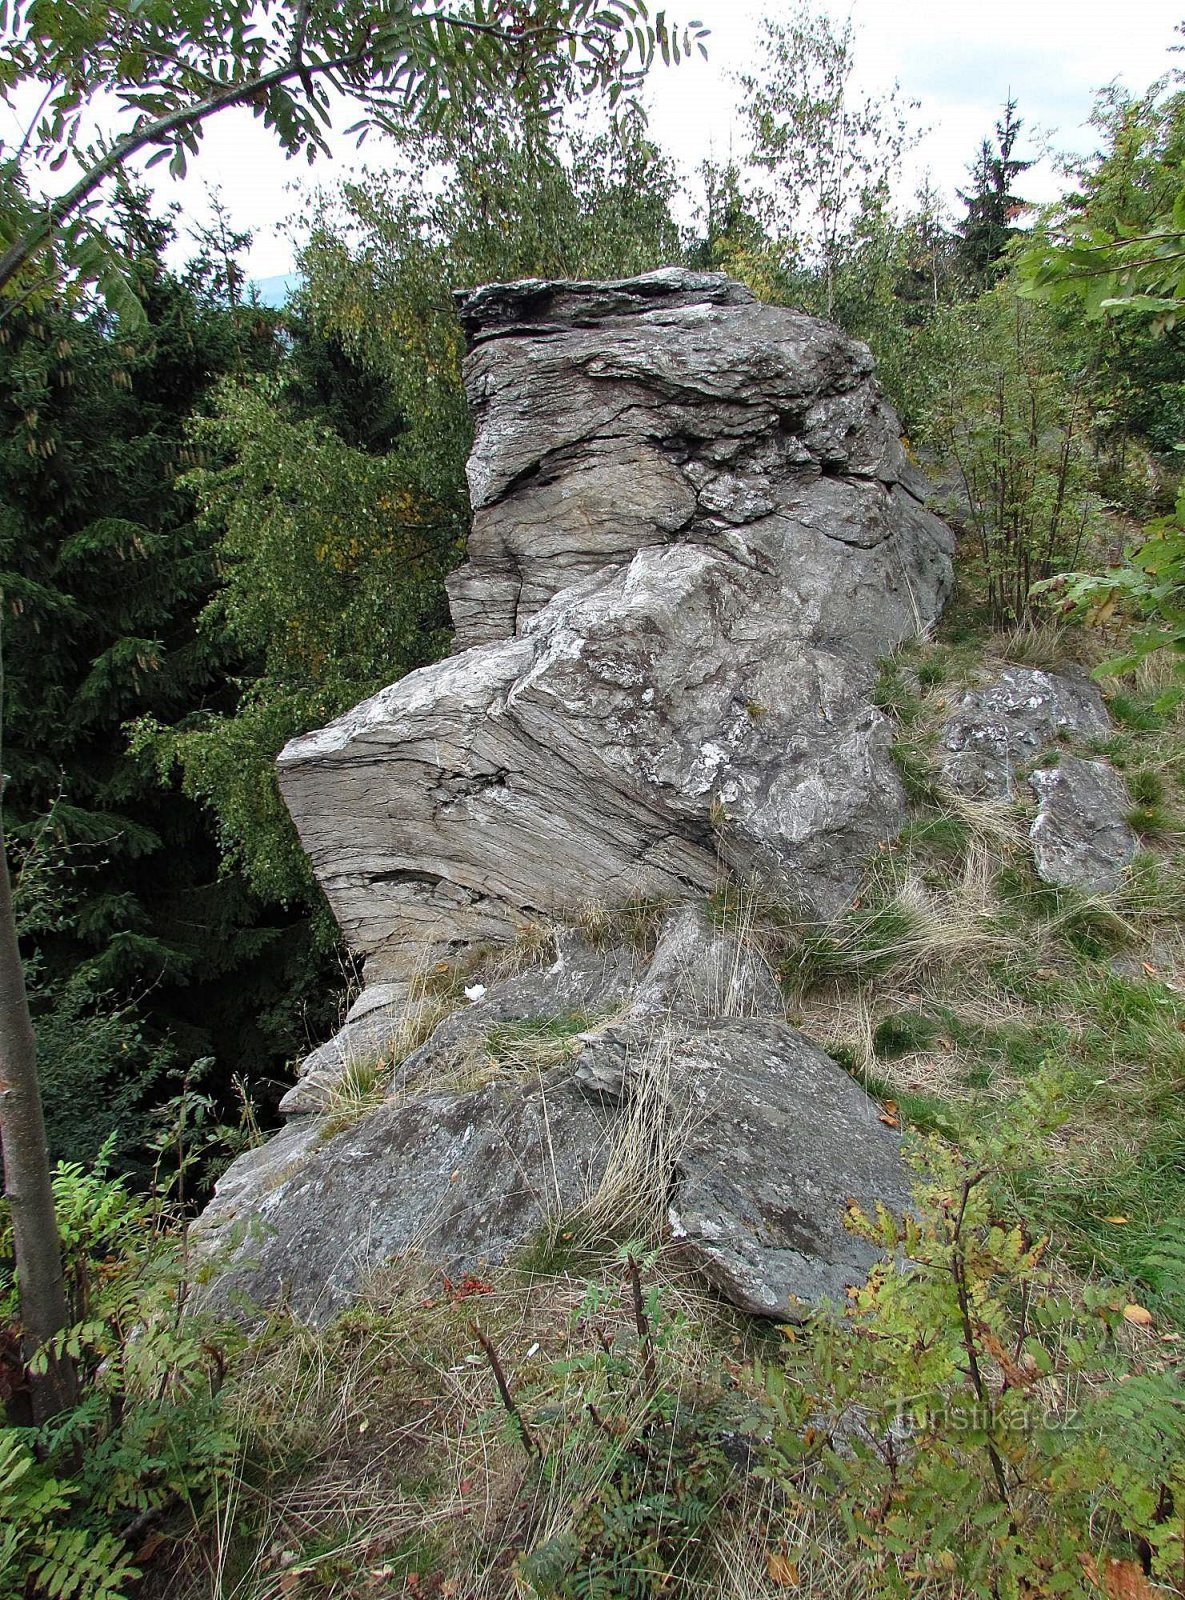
(1150, 969)
(782, 1570)
(889, 1122)
(1118, 1221)
(1119, 1580)
(1138, 1316)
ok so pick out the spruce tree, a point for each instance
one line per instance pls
(992, 206)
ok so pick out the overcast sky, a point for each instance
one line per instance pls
(959, 58)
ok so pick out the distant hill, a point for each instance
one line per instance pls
(275, 291)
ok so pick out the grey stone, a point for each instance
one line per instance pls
(999, 730)
(695, 533)
(693, 538)
(767, 1140)
(579, 979)
(778, 1140)
(461, 1180)
(700, 970)
(1081, 836)
(379, 997)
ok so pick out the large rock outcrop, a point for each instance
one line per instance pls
(695, 532)
(682, 1097)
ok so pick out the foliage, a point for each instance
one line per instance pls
(35, 1550)
(139, 952)
(992, 208)
(1151, 584)
(159, 75)
(333, 560)
(147, 1440)
(969, 1423)
(825, 149)
(638, 1464)
(1116, 247)
(1009, 415)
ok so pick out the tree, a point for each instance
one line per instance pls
(992, 207)
(142, 949)
(169, 72)
(292, 62)
(824, 146)
(1116, 248)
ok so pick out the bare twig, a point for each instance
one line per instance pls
(529, 1442)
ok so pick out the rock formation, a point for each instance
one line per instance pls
(695, 533)
(997, 742)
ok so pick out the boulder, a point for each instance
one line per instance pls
(751, 1140)
(999, 731)
(695, 532)
(1081, 836)
(778, 1140)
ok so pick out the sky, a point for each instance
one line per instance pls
(959, 58)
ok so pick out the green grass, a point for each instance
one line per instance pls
(537, 1043)
(904, 1032)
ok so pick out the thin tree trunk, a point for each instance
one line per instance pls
(27, 1184)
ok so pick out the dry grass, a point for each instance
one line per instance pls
(367, 1077)
(378, 1447)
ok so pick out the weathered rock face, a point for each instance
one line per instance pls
(688, 1099)
(1081, 838)
(999, 731)
(695, 531)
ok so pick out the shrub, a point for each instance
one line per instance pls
(147, 1440)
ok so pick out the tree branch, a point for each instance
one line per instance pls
(157, 132)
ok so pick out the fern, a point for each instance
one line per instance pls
(59, 1562)
(1164, 1265)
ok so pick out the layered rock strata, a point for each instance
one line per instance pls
(695, 532)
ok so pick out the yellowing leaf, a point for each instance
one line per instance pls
(782, 1570)
(1138, 1316)
(1119, 1580)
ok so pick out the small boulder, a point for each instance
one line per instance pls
(1081, 837)
(1003, 727)
(778, 1140)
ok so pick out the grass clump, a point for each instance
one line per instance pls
(367, 1077)
(904, 1032)
(634, 924)
(536, 1044)
(899, 929)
